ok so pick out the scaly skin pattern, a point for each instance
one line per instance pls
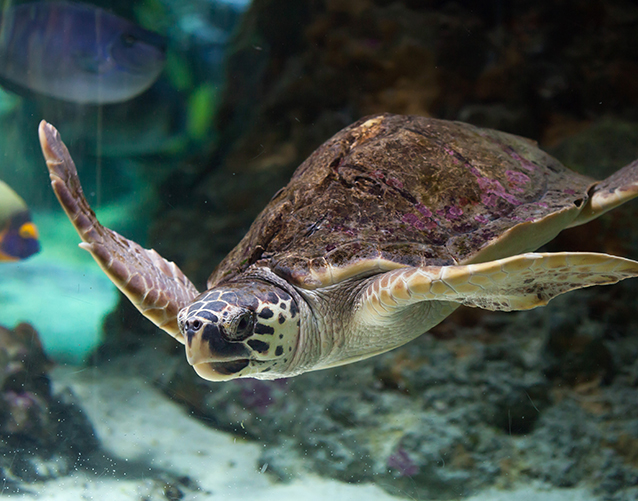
(242, 329)
(156, 287)
(515, 283)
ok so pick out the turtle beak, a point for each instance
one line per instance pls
(220, 371)
(205, 342)
(210, 354)
(196, 352)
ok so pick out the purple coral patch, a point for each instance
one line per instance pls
(510, 198)
(257, 395)
(402, 463)
(452, 153)
(512, 153)
(450, 212)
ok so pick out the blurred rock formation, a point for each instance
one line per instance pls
(42, 434)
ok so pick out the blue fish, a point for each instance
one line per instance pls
(78, 53)
(18, 234)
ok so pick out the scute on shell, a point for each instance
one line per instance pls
(392, 191)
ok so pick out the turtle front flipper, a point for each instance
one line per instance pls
(609, 193)
(516, 283)
(155, 286)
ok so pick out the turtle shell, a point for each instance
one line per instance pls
(391, 191)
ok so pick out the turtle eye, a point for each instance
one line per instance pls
(240, 327)
(245, 325)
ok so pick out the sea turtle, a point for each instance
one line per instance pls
(381, 233)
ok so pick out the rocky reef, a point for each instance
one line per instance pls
(43, 435)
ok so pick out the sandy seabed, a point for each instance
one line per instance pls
(149, 442)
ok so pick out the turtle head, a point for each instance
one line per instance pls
(240, 330)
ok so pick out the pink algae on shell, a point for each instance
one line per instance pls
(516, 177)
(425, 212)
(413, 220)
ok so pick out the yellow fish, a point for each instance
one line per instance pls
(18, 234)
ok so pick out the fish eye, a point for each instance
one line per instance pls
(128, 40)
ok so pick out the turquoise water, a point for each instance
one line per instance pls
(60, 291)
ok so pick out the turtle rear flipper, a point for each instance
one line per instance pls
(609, 193)
(516, 283)
(155, 286)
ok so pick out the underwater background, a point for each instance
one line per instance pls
(95, 402)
